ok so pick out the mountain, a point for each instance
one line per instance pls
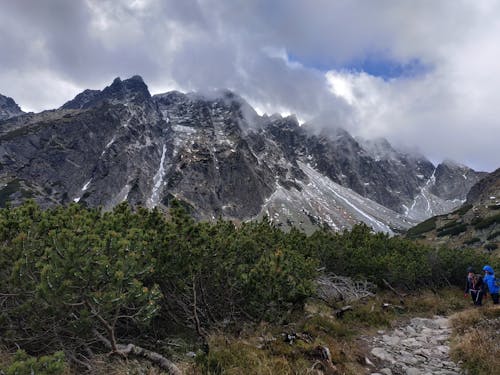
(8, 108)
(222, 159)
(475, 224)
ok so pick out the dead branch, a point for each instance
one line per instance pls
(153, 357)
(109, 329)
(333, 288)
(401, 296)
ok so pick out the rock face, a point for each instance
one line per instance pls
(419, 348)
(474, 224)
(486, 191)
(8, 108)
(220, 157)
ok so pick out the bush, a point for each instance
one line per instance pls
(423, 227)
(453, 230)
(473, 240)
(493, 235)
(451, 224)
(463, 210)
(491, 246)
(486, 222)
(127, 275)
(24, 364)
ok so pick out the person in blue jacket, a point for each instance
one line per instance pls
(475, 286)
(491, 282)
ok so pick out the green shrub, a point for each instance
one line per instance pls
(451, 224)
(493, 235)
(6, 191)
(127, 275)
(472, 241)
(491, 246)
(486, 222)
(453, 230)
(24, 364)
(423, 227)
(463, 210)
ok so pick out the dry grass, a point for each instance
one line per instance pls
(476, 340)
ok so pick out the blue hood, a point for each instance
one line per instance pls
(489, 269)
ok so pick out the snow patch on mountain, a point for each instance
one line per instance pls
(319, 200)
(157, 181)
(425, 204)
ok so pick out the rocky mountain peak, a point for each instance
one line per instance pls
(132, 90)
(487, 190)
(214, 152)
(378, 148)
(8, 108)
(453, 180)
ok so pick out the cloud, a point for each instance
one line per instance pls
(435, 85)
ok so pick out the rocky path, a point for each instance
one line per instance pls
(418, 348)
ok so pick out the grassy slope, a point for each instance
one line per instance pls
(476, 340)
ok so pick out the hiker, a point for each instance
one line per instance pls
(475, 286)
(492, 283)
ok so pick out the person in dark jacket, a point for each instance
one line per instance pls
(475, 286)
(491, 283)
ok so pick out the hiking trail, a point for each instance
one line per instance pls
(420, 347)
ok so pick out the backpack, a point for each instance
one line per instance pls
(475, 279)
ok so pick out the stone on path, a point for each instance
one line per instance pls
(419, 348)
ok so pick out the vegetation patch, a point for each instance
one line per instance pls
(487, 222)
(23, 363)
(6, 191)
(449, 225)
(463, 210)
(423, 227)
(491, 246)
(107, 282)
(452, 230)
(474, 340)
(473, 240)
(493, 235)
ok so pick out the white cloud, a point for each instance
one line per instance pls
(275, 54)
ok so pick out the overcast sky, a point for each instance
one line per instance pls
(424, 74)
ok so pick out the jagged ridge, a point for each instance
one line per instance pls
(215, 153)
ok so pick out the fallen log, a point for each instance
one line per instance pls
(153, 357)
